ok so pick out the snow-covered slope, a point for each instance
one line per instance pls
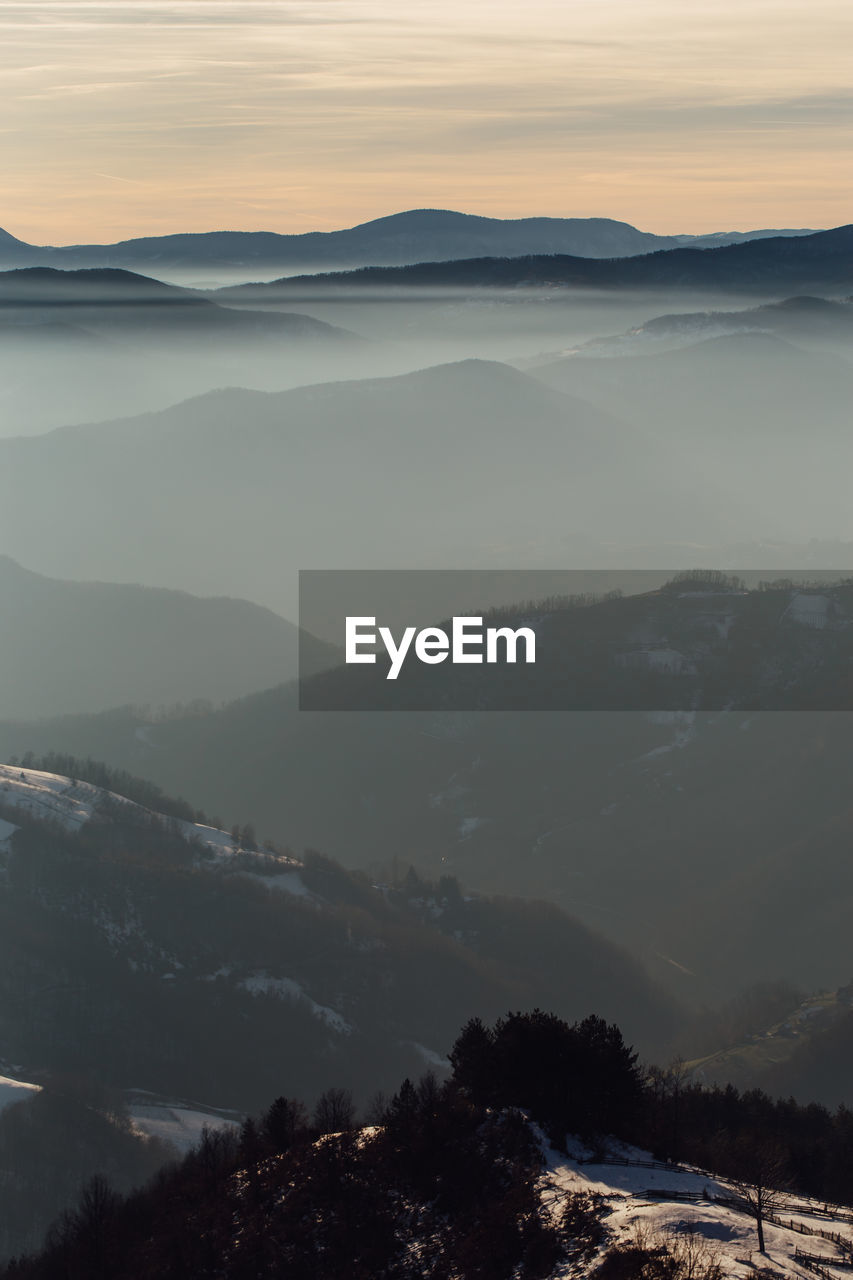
(51, 797)
(178, 1122)
(648, 1202)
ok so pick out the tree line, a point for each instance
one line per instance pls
(445, 1178)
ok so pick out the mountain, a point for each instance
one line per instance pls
(756, 388)
(764, 412)
(86, 646)
(231, 492)
(169, 955)
(111, 301)
(814, 322)
(818, 262)
(83, 345)
(147, 957)
(801, 317)
(712, 844)
(810, 321)
(715, 239)
(418, 235)
(12, 250)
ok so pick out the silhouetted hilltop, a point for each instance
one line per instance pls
(819, 262)
(94, 344)
(806, 318)
(106, 298)
(416, 235)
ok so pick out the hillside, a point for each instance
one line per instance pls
(347, 473)
(695, 644)
(87, 646)
(166, 936)
(159, 975)
(440, 1186)
(813, 321)
(741, 399)
(698, 1217)
(804, 1054)
(714, 844)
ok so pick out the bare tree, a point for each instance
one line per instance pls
(760, 1181)
(335, 1111)
(377, 1108)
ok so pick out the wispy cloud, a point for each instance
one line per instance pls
(64, 14)
(307, 113)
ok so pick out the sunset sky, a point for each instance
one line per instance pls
(677, 115)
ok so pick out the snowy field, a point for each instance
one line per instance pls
(652, 1203)
(177, 1123)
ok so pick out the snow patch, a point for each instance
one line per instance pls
(181, 1126)
(48, 796)
(429, 1056)
(51, 797)
(12, 1091)
(288, 989)
(287, 882)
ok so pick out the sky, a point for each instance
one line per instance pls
(130, 118)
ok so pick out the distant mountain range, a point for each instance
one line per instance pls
(460, 465)
(231, 492)
(813, 322)
(113, 301)
(418, 235)
(776, 265)
(803, 317)
(752, 389)
(89, 344)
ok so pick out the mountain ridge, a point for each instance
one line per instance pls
(267, 454)
(408, 236)
(820, 260)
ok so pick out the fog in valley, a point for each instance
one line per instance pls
(225, 446)
(339, 891)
